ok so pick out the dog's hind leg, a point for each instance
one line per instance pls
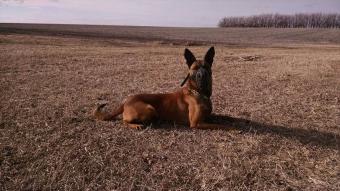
(104, 115)
(136, 126)
(137, 114)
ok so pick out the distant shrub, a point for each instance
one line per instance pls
(300, 20)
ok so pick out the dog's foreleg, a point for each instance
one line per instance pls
(196, 120)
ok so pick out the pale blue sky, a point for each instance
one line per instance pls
(204, 13)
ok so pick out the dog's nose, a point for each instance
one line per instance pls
(199, 75)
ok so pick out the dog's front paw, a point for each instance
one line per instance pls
(137, 126)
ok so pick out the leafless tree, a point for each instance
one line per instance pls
(299, 20)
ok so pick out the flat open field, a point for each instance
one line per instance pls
(280, 88)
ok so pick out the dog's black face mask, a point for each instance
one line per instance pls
(200, 76)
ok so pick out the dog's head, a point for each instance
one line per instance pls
(199, 77)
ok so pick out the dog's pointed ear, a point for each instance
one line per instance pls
(209, 56)
(189, 57)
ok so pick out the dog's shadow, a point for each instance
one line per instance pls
(304, 136)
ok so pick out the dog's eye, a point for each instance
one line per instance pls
(207, 68)
(193, 73)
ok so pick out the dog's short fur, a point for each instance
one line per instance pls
(189, 105)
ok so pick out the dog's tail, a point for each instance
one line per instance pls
(106, 116)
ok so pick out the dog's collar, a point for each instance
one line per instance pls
(197, 94)
(185, 80)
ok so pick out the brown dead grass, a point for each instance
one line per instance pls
(284, 103)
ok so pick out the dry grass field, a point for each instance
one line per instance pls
(280, 91)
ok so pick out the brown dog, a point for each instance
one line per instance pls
(189, 105)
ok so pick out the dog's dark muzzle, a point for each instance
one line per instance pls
(202, 77)
(203, 80)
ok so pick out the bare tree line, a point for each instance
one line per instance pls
(300, 20)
